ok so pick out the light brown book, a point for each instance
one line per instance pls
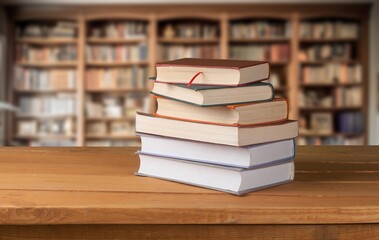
(212, 71)
(232, 115)
(227, 135)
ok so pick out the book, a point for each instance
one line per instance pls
(228, 135)
(213, 71)
(215, 95)
(237, 115)
(228, 179)
(243, 157)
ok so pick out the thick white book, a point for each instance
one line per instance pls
(227, 179)
(243, 157)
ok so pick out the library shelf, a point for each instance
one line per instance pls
(47, 41)
(70, 64)
(156, 19)
(112, 137)
(260, 40)
(115, 40)
(116, 64)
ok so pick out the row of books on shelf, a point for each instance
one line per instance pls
(124, 30)
(114, 128)
(338, 97)
(348, 97)
(329, 29)
(116, 78)
(117, 53)
(42, 79)
(110, 106)
(190, 30)
(332, 73)
(180, 51)
(30, 53)
(325, 123)
(55, 105)
(47, 127)
(273, 52)
(337, 52)
(260, 29)
(335, 140)
(59, 29)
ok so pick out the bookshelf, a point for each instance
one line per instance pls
(331, 78)
(44, 82)
(268, 39)
(117, 47)
(116, 73)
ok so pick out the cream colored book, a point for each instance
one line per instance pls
(227, 135)
(206, 96)
(237, 115)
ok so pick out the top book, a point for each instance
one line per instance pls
(222, 72)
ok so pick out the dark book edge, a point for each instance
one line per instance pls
(211, 63)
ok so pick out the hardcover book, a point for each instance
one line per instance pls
(212, 95)
(228, 179)
(228, 135)
(252, 156)
(235, 115)
(212, 71)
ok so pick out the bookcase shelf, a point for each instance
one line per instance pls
(323, 62)
(112, 137)
(188, 41)
(116, 64)
(115, 40)
(330, 109)
(141, 36)
(260, 40)
(48, 64)
(52, 91)
(333, 47)
(46, 41)
(108, 119)
(41, 118)
(117, 90)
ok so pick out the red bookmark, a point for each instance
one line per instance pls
(193, 78)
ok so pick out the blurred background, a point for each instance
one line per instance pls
(77, 71)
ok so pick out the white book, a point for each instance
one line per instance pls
(244, 157)
(228, 179)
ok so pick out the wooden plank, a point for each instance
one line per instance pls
(219, 232)
(60, 207)
(127, 182)
(97, 185)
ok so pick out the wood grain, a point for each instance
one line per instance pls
(98, 186)
(219, 232)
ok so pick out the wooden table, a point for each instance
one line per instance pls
(91, 193)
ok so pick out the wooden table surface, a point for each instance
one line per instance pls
(60, 193)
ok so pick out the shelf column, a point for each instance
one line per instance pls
(80, 130)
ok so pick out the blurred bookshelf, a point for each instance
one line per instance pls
(79, 75)
(331, 100)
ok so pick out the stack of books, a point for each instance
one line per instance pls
(218, 126)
